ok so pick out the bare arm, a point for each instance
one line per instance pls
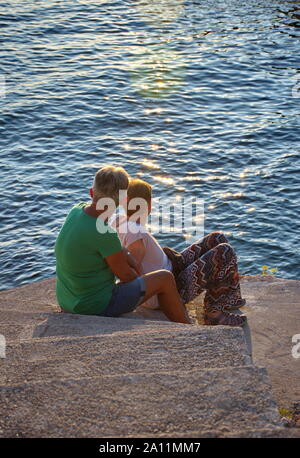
(133, 263)
(120, 265)
(138, 250)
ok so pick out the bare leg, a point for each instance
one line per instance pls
(162, 283)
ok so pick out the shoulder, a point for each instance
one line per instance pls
(103, 228)
(79, 205)
(77, 208)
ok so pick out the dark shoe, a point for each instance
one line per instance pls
(226, 319)
(237, 305)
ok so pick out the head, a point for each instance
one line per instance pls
(108, 182)
(137, 190)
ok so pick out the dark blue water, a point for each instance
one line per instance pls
(198, 97)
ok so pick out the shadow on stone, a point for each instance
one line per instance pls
(65, 324)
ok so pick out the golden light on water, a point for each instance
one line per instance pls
(197, 178)
(156, 71)
(159, 13)
(164, 180)
(157, 110)
(173, 150)
(154, 147)
(235, 195)
(150, 164)
(214, 177)
(192, 178)
(244, 173)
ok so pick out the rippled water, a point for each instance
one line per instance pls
(198, 97)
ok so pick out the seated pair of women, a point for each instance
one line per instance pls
(90, 255)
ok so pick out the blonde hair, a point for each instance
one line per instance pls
(109, 181)
(138, 189)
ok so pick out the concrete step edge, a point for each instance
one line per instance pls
(270, 432)
(119, 333)
(247, 361)
(57, 368)
(260, 370)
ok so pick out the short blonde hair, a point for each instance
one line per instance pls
(138, 188)
(109, 181)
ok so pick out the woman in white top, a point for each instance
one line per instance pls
(210, 264)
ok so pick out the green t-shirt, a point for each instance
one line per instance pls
(84, 280)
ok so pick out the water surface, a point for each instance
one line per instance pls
(194, 96)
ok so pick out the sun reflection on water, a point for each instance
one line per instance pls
(161, 13)
(164, 180)
(150, 164)
(156, 71)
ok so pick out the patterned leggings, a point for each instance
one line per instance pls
(211, 265)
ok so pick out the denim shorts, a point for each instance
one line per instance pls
(125, 297)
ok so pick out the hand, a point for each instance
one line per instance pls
(133, 263)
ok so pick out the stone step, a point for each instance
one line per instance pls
(206, 341)
(215, 402)
(66, 324)
(14, 332)
(114, 354)
(274, 432)
(280, 432)
(35, 297)
(61, 324)
(19, 325)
